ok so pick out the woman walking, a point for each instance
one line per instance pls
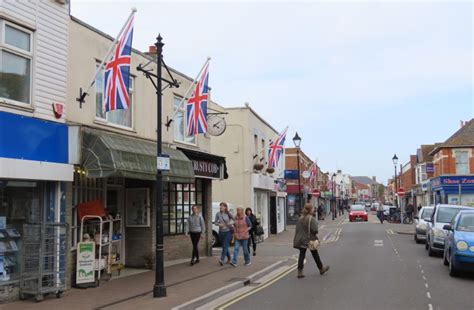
(306, 231)
(252, 232)
(225, 220)
(241, 234)
(197, 229)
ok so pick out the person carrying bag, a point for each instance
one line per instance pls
(306, 238)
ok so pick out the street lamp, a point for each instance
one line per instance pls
(297, 142)
(333, 208)
(395, 163)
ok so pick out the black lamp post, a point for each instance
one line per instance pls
(297, 142)
(333, 203)
(395, 163)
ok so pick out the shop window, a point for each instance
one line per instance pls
(177, 203)
(462, 161)
(123, 117)
(179, 123)
(16, 55)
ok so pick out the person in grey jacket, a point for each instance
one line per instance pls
(225, 220)
(306, 230)
(197, 229)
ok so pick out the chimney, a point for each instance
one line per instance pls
(151, 51)
(374, 179)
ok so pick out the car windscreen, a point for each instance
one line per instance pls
(446, 215)
(427, 213)
(466, 222)
(357, 208)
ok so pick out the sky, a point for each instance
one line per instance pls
(358, 81)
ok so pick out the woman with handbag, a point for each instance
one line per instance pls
(306, 237)
(225, 220)
(253, 230)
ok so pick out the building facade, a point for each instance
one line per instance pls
(251, 184)
(34, 156)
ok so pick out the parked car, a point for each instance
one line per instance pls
(420, 223)
(374, 206)
(435, 234)
(358, 213)
(215, 228)
(459, 243)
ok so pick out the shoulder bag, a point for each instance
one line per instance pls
(313, 245)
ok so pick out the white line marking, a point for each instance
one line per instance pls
(426, 285)
(422, 271)
(424, 278)
(430, 307)
(428, 295)
(420, 266)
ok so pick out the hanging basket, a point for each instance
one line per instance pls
(258, 167)
(270, 170)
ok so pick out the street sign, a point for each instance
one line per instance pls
(306, 174)
(401, 192)
(163, 162)
(316, 193)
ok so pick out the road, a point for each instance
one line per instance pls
(371, 268)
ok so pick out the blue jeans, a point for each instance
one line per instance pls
(225, 237)
(237, 245)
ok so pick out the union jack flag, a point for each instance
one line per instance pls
(196, 107)
(117, 72)
(276, 149)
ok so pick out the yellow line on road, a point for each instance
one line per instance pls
(258, 288)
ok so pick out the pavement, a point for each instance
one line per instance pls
(373, 266)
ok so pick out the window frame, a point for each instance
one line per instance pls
(183, 110)
(20, 53)
(131, 93)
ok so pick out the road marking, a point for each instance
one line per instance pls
(378, 242)
(327, 236)
(422, 271)
(258, 288)
(428, 295)
(390, 232)
(426, 285)
(424, 278)
(430, 307)
(420, 266)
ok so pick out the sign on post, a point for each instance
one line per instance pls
(163, 162)
(316, 193)
(85, 262)
(401, 192)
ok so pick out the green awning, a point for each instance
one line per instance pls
(106, 154)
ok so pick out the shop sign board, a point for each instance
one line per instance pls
(429, 168)
(85, 262)
(291, 174)
(207, 168)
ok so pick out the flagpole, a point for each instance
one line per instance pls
(134, 10)
(190, 88)
(262, 152)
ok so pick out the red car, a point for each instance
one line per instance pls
(358, 213)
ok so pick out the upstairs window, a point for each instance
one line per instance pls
(122, 118)
(179, 123)
(462, 161)
(16, 56)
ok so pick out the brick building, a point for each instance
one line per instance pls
(453, 161)
(408, 181)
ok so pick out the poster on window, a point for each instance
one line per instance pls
(137, 207)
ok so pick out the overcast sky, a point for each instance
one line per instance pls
(359, 81)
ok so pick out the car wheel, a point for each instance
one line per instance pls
(445, 258)
(426, 243)
(215, 239)
(416, 239)
(430, 250)
(453, 272)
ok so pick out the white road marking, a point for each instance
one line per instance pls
(426, 285)
(420, 266)
(430, 307)
(428, 295)
(422, 271)
(424, 278)
(378, 242)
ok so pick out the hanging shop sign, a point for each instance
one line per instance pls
(163, 162)
(291, 174)
(85, 262)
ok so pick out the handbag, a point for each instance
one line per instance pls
(313, 245)
(259, 230)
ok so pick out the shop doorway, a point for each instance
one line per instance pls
(273, 215)
(115, 208)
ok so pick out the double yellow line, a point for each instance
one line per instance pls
(258, 288)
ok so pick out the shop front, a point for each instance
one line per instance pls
(34, 171)
(263, 187)
(456, 189)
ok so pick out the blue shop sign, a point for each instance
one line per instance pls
(452, 184)
(429, 168)
(34, 139)
(291, 174)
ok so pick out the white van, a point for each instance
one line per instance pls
(215, 228)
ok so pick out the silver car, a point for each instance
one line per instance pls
(421, 224)
(435, 234)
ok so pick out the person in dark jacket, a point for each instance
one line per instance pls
(252, 232)
(306, 230)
